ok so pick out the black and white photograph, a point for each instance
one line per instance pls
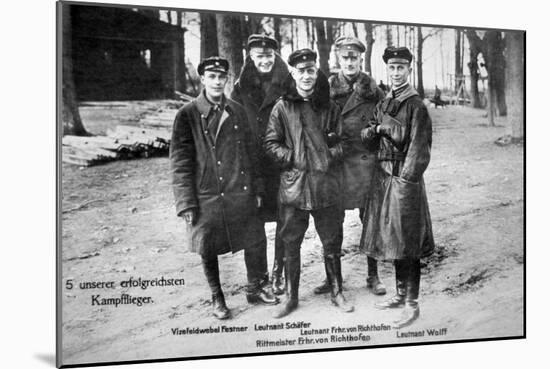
(238, 183)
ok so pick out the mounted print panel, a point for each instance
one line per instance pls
(245, 184)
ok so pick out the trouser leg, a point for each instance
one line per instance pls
(278, 264)
(329, 226)
(255, 259)
(412, 310)
(294, 224)
(401, 273)
(212, 273)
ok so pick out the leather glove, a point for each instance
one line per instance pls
(368, 134)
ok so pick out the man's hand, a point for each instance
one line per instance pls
(369, 133)
(190, 216)
(258, 202)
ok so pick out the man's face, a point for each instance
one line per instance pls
(398, 73)
(305, 75)
(214, 84)
(263, 59)
(350, 63)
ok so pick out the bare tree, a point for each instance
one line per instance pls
(389, 38)
(515, 82)
(494, 60)
(70, 116)
(209, 35)
(323, 44)
(476, 46)
(277, 30)
(230, 45)
(420, 38)
(369, 41)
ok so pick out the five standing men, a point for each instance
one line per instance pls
(320, 157)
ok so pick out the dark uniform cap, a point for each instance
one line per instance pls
(301, 56)
(401, 53)
(262, 41)
(213, 63)
(348, 43)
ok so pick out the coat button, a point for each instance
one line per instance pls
(213, 147)
(221, 178)
(245, 188)
(205, 131)
(236, 126)
(222, 194)
(219, 162)
(242, 171)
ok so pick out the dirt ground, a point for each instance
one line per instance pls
(119, 222)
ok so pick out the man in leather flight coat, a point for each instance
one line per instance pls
(217, 186)
(298, 138)
(397, 225)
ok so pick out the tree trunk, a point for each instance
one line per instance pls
(494, 58)
(354, 27)
(515, 83)
(458, 58)
(209, 35)
(323, 45)
(475, 48)
(169, 15)
(70, 116)
(277, 30)
(369, 41)
(419, 44)
(389, 39)
(230, 45)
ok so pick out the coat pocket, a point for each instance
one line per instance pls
(291, 185)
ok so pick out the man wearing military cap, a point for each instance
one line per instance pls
(397, 225)
(356, 94)
(300, 138)
(258, 87)
(217, 186)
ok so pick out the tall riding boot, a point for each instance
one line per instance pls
(277, 283)
(398, 300)
(326, 286)
(292, 282)
(373, 281)
(412, 310)
(212, 273)
(334, 271)
(256, 290)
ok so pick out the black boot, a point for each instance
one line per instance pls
(373, 281)
(325, 287)
(277, 283)
(257, 291)
(412, 310)
(212, 273)
(398, 300)
(334, 271)
(292, 282)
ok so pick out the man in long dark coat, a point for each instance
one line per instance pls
(297, 138)
(259, 86)
(217, 185)
(397, 225)
(356, 94)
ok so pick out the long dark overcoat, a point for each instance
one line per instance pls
(357, 103)
(310, 177)
(249, 93)
(397, 222)
(217, 176)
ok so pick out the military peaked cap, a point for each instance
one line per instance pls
(349, 43)
(262, 41)
(213, 63)
(399, 53)
(301, 56)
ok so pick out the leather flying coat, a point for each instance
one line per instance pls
(357, 103)
(218, 176)
(397, 223)
(296, 139)
(249, 93)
